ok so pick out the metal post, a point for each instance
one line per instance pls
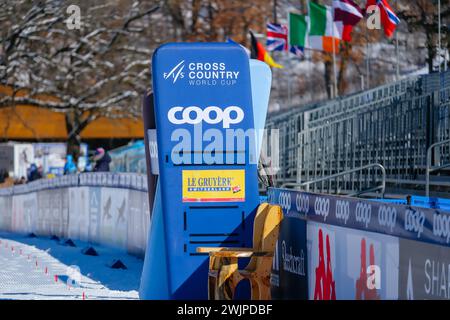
(367, 61)
(336, 92)
(429, 169)
(274, 11)
(398, 56)
(289, 83)
(440, 45)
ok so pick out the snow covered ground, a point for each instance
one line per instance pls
(40, 268)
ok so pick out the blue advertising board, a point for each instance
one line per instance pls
(359, 249)
(207, 164)
(410, 222)
(289, 276)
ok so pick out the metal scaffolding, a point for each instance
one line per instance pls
(392, 125)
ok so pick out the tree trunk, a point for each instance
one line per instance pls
(431, 51)
(73, 132)
(328, 70)
(345, 55)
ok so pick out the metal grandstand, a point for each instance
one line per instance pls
(392, 125)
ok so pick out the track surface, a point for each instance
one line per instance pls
(40, 268)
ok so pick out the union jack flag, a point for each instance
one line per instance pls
(277, 37)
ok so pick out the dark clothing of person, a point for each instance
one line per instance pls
(33, 173)
(102, 165)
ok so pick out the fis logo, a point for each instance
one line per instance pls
(176, 72)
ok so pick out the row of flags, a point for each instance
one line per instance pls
(322, 29)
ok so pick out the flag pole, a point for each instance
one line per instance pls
(288, 59)
(440, 45)
(336, 93)
(367, 61)
(397, 49)
(398, 57)
(275, 11)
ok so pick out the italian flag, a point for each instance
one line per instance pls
(323, 30)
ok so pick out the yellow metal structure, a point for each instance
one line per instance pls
(224, 274)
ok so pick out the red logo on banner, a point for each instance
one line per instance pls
(325, 286)
(363, 292)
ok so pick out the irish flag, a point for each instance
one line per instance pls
(298, 29)
(322, 28)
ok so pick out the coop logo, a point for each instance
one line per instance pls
(387, 217)
(284, 200)
(203, 73)
(342, 210)
(302, 203)
(176, 72)
(211, 115)
(414, 221)
(441, 226)
(322, 207)
(363, 213)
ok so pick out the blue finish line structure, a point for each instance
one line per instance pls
(199, 88)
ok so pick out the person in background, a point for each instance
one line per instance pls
(33, 173)
(70, 167)
(102, 160)
(5, 180)
(2, 175)
(41, 171)
(22, 180)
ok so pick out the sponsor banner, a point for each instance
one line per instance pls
(424, 271)
(5, 213)
(24, 209)
(29, 202)
(153, 148)
(113, 217)
(136, 233)
(17, 218)
(64, 194)
(428, 225)
(44, 219)
(78, 213)
(213, 185)
(59, 212)
(94, 213)
(289, 269)
(346, 264)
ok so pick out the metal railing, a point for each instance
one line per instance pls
(429, 168)
(381, 187)
(392, 124)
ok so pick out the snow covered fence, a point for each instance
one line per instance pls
(105, 208)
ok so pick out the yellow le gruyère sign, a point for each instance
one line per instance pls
(213, 185)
